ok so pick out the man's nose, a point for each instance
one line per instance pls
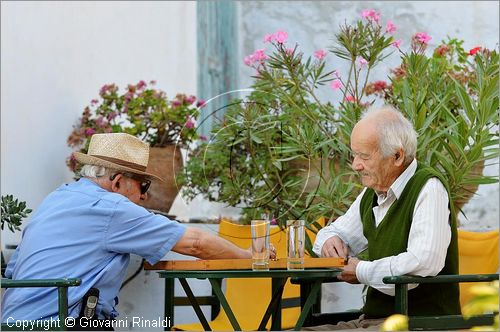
(356, 165)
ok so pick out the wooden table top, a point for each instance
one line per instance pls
(238, 264)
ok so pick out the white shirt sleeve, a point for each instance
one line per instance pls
(348, 227)
(428, 242)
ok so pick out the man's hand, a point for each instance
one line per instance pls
(272, 252)
(349, 272)
(334, 247)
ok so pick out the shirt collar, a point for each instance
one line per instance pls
(398, 186)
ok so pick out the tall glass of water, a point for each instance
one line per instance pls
(295, 236)
(260, 244)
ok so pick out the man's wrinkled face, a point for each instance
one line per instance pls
(376, 171)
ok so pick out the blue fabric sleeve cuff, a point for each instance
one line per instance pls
(171, 241)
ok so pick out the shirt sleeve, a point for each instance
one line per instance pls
(428, 241)
(9, 270)
(348, 227)
(133, 229)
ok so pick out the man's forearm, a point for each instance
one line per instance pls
(206, 245)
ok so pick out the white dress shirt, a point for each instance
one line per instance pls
(428, 241)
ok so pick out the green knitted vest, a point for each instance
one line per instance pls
(390, 238)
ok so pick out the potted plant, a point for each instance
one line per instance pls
(266, 150)
(13, 212)
(145, 112)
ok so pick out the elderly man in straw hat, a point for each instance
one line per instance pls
(89, 228)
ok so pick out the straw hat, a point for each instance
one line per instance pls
(119, 151)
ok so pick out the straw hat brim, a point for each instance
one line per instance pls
(85, 159)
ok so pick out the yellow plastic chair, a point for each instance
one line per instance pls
(478, 254)
(249, 297)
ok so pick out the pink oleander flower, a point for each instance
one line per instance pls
(105, 88)
(203, 138)
(336, 84)
(268, 38)
(377, 87)
(422, 37)
(396, 43)
(273, 222)
(200, 103)
(93, 102)
(100, 121)
(111, 116)
(191, 99)
(129, 96)
(362, 62)
(248, 60)
(141, 85)
(176, 103)
(89, 131)
(189, 123)
(319, 54)
(281, 36)
(289, 51)
(474, 50)
(259, 55)
(349, 98)
(390, 27)
(371, 15)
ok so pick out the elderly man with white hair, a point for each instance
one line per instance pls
(402, 221)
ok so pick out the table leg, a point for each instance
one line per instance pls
(274, 306)
(195, 304)
(168, 309)
(223, 302)
(311, 299)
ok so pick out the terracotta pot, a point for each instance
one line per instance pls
(313, 171)
(165, 162)
(469, 190)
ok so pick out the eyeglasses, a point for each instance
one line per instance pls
(143, 182)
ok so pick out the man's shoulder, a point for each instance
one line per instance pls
(430, 176)
(86, 188)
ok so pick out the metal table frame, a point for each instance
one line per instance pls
(279, 278)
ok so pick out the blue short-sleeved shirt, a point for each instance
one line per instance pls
(83, 231)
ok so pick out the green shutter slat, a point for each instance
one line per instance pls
(217, 57)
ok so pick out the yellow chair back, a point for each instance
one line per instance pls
(249, 297)
(478, 254)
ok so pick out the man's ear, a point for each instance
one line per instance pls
(399, 157)
(115, 183)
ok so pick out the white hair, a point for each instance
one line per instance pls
(396, 132)
(94, 171)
